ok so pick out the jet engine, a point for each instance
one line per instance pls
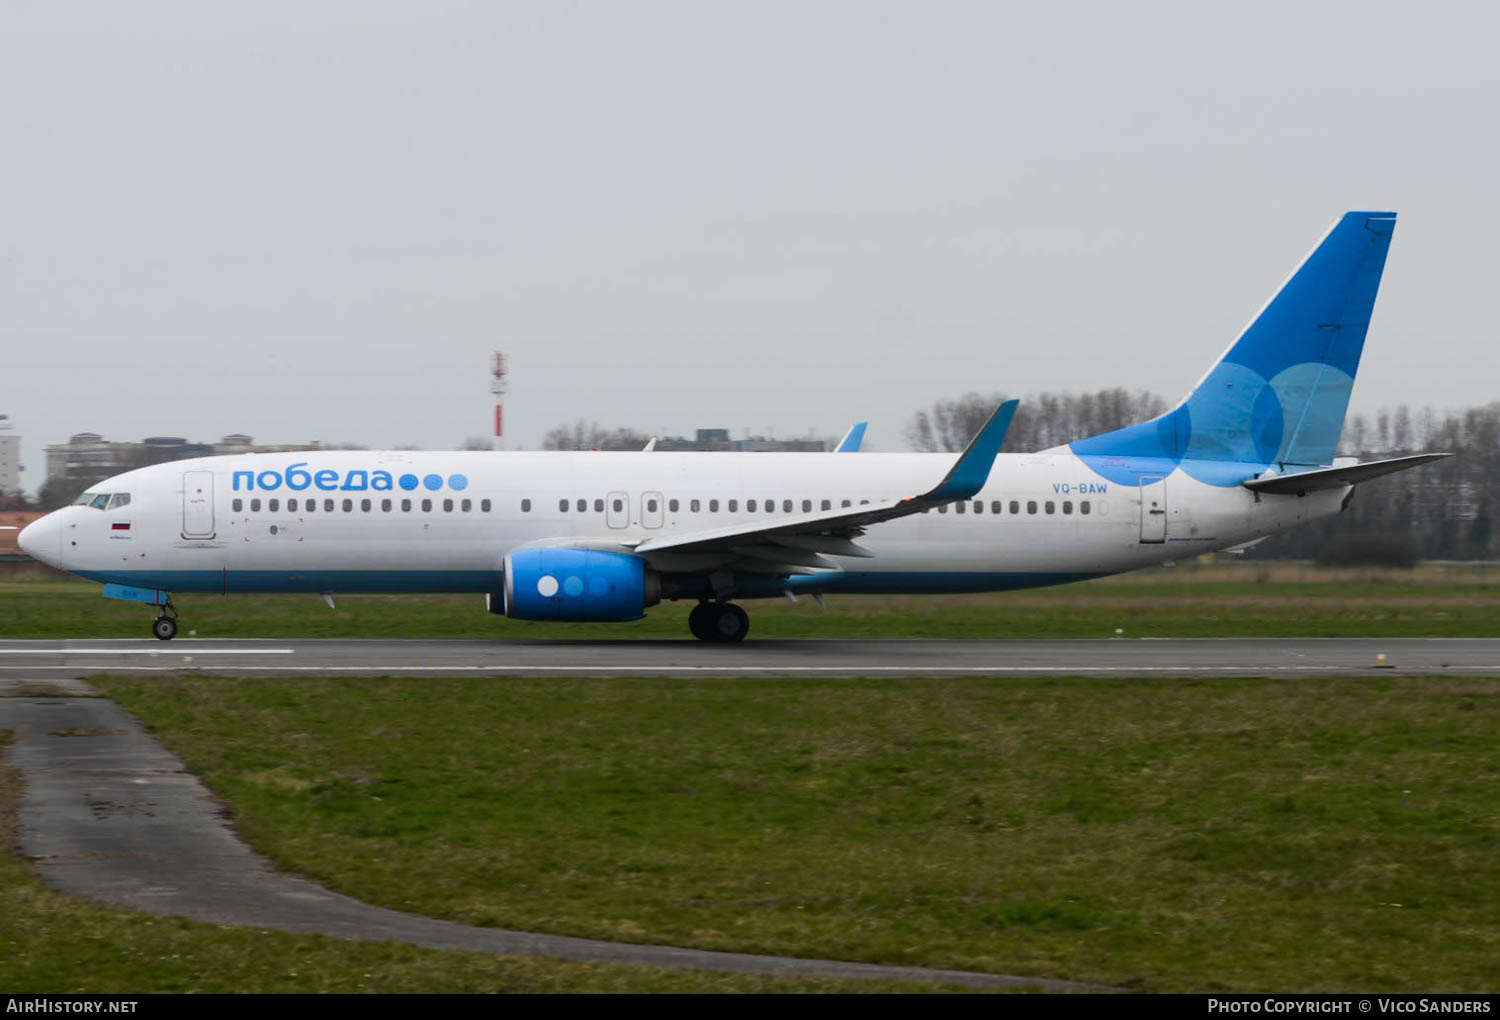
(576, 585)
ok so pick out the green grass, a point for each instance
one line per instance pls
(53, 944)
(1234, 834)
(1238, 600)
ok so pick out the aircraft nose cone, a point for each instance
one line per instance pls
(42, 540)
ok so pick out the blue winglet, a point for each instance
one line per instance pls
(972, 470)
(852, 438)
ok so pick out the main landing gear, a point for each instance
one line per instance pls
(164, 626)
(721, 622)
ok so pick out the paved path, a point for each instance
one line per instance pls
(111, 816)
(856, 658)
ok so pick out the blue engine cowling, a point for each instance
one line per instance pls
(577, 585)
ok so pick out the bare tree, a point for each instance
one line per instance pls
(582, 435)
(1042, 421)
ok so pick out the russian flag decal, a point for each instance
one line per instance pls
(119, 527)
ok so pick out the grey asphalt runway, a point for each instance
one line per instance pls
(854, 658)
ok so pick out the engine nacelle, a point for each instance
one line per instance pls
(577, 584)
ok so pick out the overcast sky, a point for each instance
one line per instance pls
(308, 220)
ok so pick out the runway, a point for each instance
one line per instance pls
(807, 658)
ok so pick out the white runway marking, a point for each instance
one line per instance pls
(145, 651)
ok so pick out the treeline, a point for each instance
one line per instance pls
(1042, 421)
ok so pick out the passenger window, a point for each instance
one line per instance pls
(364, 505)
(978, 507)
(1051, 507)
(525, 506)
(1015, 506)
(995, 506)
(447, 506)
(1067, 506)
(770, 506)
(484, 506)
(843, 503)
(385, 506)
(255, 506)
(427, 506)
(237, 505)
(960, 507)
(598, 506)
(273, 505)
(864, 502)
(619, 505)
(671, 506)
(328, 506)
(348, 505)
(734, 506)
(750, 505)
(1031, 506)
(786, 506)
(807, 506)
(582, 506)
(291, 506)
(943, 509)
(406, 506)
(651, 506)
(1083, 507)
(312, 505)
(693, 505)
(118, 500)
(562, 505)
(713, 506)
(827, 504)
(466, 505)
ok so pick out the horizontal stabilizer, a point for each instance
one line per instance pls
(1337, 477)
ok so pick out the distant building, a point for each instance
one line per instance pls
(10, 459)
(718, 440)
(88, 456)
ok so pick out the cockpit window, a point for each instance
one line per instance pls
(118, 500)
(101, 501)
(85, 499)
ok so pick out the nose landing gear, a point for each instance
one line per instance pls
(718, 622)
(164, 626)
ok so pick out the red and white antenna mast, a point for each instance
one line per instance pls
(497, 387)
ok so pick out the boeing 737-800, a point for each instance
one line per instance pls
(603, 536)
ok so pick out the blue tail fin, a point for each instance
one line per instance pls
(1278, 396)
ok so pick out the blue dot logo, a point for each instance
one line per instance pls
(408, 482)
(433, 482)
(573, 586)
(458, 483)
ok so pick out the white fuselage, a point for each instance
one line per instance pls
(243, 523)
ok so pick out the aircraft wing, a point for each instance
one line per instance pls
(800, 544)
(1337, 477)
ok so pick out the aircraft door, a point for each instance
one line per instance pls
(197, 504)
(651, 509)
(617, 509)
(1153, 509)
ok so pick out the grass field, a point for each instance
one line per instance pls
(1244, 834)
(1190, 600)
(50, 943)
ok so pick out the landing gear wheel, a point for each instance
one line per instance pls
(164, 627)
(730, 623)
(700, 620)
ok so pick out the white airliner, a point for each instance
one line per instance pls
(603, 536)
